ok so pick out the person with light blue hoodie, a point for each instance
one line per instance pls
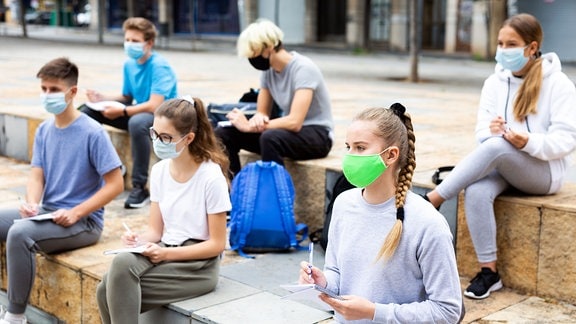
(149, 80)
(527, 132)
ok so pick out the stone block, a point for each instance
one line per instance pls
(13, 141)
(534, 237)
(518, 239)
(33, 124)
(310, 190)
(557, 253)
(57, 290)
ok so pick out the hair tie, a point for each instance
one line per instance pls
(189, 99)
(400, 214)
(399, 111)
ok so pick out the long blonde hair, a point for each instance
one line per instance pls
(394, 126)
(528, 27)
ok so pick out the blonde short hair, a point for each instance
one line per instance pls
(258, 36)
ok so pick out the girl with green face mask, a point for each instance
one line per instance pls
(390, 254)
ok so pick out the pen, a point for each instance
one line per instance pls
(127, 228)
(130, 231)
(310, 258)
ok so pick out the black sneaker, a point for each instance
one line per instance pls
(137, 198)
(484, 282)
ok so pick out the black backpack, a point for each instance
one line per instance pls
(340, 186)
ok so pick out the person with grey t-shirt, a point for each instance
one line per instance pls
(304, 129)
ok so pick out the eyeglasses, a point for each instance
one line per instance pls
(164, 138)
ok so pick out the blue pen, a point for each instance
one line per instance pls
(310, 258)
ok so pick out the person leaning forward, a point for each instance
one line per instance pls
(148, 81)
(305, 128)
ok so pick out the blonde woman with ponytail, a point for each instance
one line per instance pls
(526, 131)
(390, 254)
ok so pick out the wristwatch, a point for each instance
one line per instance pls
(125, 112)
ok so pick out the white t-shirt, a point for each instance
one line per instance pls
(185, 206)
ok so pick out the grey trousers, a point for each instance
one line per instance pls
(494, 166)
(24, 239)
(134, 285)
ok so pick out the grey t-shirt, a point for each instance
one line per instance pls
(300, 73)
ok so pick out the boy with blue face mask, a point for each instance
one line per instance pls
(148, 81)
(75, 172)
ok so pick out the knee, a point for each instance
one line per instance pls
(18, 233)
(140, 124)
(477, 193)
(224, 134)
(495, 146)
(121, 266)
(271, 136)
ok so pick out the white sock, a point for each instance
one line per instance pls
(14, 318)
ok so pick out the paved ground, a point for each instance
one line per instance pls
(443, 107)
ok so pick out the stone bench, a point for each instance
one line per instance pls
(17, 141)
(536, 254)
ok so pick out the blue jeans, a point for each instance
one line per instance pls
(138, 127)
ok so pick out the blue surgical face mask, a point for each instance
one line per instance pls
(166, 150)
(134, 50)
(54, 103)
(512, 59)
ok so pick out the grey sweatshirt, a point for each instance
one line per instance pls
(419, 284)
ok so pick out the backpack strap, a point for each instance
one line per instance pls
(285, 190)
(247, 205)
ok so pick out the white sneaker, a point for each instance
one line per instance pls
(3, 320)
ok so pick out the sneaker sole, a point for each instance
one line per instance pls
(140, 205)
(494, 287)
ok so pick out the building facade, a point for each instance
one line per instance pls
(444, 26)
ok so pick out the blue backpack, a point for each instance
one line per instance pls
(262, 216)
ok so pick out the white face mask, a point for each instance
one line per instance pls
(134, 50)
(166, 150)
(512, 59)
(54, 103)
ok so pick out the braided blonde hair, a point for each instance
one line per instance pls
(395, 127)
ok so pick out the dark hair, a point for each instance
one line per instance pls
(187, 116)
(59, 69)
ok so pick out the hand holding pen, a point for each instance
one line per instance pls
(498, 126)
(27, 209)
(129, 238)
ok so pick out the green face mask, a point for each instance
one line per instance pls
(362, 170)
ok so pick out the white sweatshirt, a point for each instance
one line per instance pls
(552, 131)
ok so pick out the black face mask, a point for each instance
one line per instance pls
(260, 63)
